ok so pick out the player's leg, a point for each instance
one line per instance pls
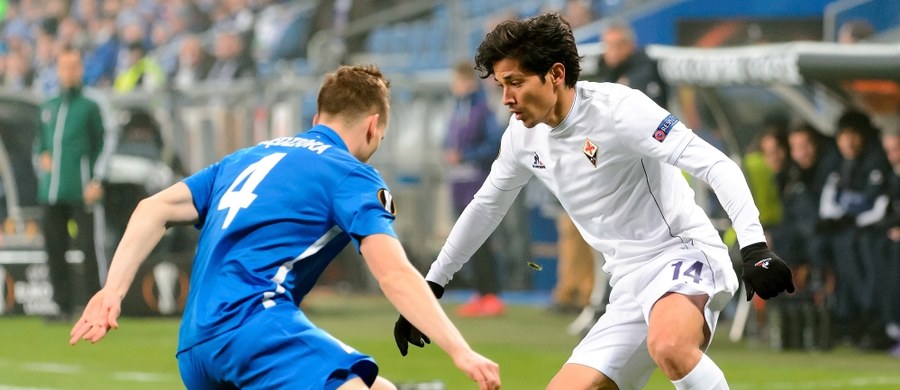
(613, 354)
(279, 348)
(576, 376)
(681, 303)
(358, 384)
(677, 332)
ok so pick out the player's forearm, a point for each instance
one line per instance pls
(145, 229)
(730, 187)
(726, 179)
(407, 291)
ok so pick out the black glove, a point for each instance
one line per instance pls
(405, 333)
(764, 273)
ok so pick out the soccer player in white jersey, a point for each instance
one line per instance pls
(614, 159)
(272, 217)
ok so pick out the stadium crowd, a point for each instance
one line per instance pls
(148, 44)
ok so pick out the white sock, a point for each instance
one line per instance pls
(706, 375)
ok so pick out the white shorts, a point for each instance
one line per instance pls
(617, 344)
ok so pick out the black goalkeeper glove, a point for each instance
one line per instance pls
(405, 333)
(764, 273)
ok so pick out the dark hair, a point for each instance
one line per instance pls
(856, 121)
(353, 91)
(537, 43)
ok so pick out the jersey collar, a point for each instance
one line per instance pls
(322, 132)
(565, 124)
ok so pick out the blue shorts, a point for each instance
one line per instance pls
(277, 348)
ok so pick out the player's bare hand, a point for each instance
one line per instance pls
(100, 315)
(480, 369)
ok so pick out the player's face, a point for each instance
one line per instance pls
(529, 97)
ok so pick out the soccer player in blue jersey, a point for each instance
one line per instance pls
(272, 217)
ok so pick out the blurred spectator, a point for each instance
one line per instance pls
(854, 199)
(855, 30)
(71, 33)
(624, 63)
(100, 63)
(143, 72)
(46, 78)
(17, 74)
(473, 140)
(193, 63)
(765, 175)
(69, 150)
(281, 33)
(231, 59)
(813, 156)
(891, 271)
(578, 12)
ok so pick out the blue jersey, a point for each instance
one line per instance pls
(272, 217)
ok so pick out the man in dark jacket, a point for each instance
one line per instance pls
(624, 63)
(68, 148)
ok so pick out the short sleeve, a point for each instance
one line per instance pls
(648, 129)
(363, 205)
(201, 185)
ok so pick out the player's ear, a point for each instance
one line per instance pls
(315, 119)
(371, 127)
(557, 72)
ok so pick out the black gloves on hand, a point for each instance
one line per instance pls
(405, 333)
(764, 273)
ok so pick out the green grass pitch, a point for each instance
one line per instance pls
(529, 344)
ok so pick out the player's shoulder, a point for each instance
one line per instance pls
(603, 92)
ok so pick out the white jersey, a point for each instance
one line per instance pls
(615, 165)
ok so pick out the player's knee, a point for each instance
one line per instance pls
(667, 351)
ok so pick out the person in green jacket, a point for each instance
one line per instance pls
(68, 148)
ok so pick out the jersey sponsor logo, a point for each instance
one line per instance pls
(296, 142)
(590, 151)
(537, 162)
(664, 127)
(387, 200)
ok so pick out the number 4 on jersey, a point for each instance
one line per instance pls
(235, 200)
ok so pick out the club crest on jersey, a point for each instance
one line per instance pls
(537, 162)
(590, 151)
(387, 200)
(664, 127)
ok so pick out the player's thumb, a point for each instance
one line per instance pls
(112, 318)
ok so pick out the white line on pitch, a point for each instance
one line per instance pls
(139, 376)
(56, 368)
(6, 387)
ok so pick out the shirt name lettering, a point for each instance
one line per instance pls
(297, 142)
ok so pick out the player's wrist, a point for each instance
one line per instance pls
(437, 289)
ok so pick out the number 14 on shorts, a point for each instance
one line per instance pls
(693, 271)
